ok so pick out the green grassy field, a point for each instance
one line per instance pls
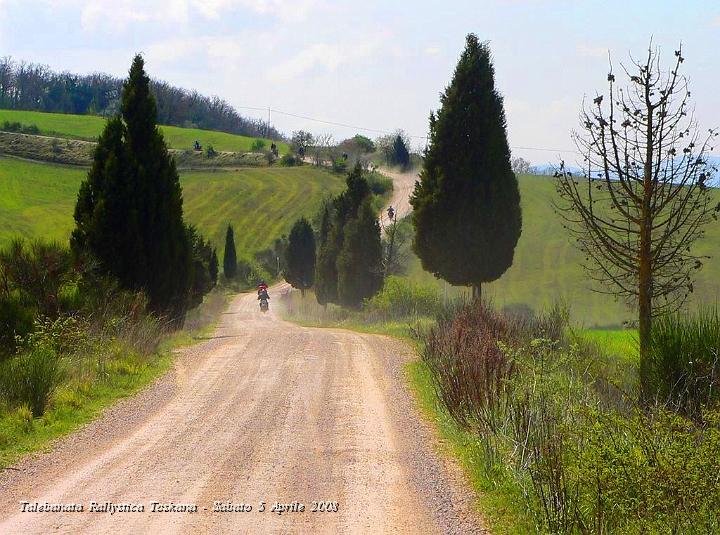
(547, 266)
(37, 200)
(90, 126)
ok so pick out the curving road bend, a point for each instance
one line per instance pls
(403, 186)
(263, 411)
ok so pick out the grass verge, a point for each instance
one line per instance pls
(502, 504)
(80, 402)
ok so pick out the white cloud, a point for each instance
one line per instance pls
(433, 50)
(586, 51)
(285, 10)
(214, 50)
(324, 56)
(117, 15)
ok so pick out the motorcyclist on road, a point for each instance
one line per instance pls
(263, 294)
(262, 287)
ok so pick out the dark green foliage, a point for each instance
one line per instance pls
(325, 268)
(203, 254)
(467, 205)
(300, 256)
(16, 321)
(359, 263)
(343, 209)
(400, 154)
(214, 267)
(683, 369)
(129, 212)
(289, 160)
(34, 275)
(230, 257)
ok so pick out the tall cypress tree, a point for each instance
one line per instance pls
(129, 212)
(300, 256)
(467, 204)
(344, 208)
(214, 267)
(325, 270)
(400, 153)
(359, 264)
(230, 257)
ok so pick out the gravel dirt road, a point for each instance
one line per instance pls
(263, 411)
(403, 185)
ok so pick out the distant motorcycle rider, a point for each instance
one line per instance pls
(262, 287)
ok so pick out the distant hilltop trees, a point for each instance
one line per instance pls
(35, 87)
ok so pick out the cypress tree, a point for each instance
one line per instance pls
(467, 214)
(129, 212)
(230, 257)
(359, 264)
(400, 153)
(214, 267)
(203, 280)
(344, 208)
(300, 256)
(325, 270)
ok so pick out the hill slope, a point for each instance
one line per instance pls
(37, 200)
(89, 127)
(547, 265)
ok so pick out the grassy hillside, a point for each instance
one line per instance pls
(38, 199)
(547, 265)
(89, 127)
(262, 203)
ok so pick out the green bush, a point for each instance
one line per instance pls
(16, 321)
(584, 462)
(258, 145)
(684, 361)
(649, 472)
(30, 378)
(402, 298)
(16, 126)
(379, 184)
(290, 160)
(339, 165)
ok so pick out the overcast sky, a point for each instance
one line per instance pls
(374, 64)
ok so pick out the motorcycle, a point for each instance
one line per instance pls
(264, 305)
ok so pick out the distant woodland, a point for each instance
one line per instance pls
(32, 86)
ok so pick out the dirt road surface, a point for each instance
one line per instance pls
(403, 185)
(263, 411)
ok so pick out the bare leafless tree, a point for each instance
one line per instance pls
(642, 199)
(520, 166)
(323, 149)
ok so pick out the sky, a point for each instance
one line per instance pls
(379, 65)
